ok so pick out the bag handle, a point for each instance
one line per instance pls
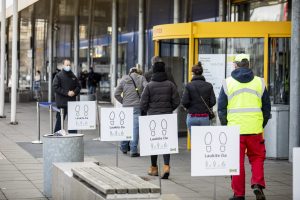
(136, 88)
(210, 111)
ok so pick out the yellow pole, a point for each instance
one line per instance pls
(190, 65)
(266, 59)
(156, 48)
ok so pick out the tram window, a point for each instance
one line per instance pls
(279, 70)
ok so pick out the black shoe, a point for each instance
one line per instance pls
(258, 191)
(125, 152)
(135, 155)
(237, 198)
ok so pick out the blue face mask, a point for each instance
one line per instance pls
(67, 68)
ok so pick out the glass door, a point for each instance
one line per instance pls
(217, 55)
(174, 53)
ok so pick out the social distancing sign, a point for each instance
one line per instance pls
(116, 124)
(81, 115)
(158, 134)
(215, 150)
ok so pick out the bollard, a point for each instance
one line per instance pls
(61, 119)
(38, 125)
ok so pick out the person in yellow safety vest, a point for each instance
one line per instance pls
(244, 101)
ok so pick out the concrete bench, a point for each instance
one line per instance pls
(90, 181)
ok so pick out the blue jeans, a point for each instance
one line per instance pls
(135, 140)
(92, 90)
(196, 121)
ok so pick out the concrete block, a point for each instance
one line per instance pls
(63, 185)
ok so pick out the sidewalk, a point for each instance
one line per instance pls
(21, 175)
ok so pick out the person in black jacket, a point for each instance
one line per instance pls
(159, 97)
(198, 98)
(66, 87)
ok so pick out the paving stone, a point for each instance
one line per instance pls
(23, 194)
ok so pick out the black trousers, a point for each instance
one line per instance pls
(166, 159)
(58, 121)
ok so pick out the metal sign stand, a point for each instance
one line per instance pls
(98, 119)
(38, 125)
(159, 173)
(117, 154)
(215, 188)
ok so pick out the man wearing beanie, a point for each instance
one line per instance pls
(157, 59)
(159, 97)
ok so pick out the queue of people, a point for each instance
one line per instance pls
(243, 101)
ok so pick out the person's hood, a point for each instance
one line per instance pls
(159, 77)
(198, 77)
(242, 75)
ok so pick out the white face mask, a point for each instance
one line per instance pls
(67, 68)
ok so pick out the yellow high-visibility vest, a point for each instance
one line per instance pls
(244, 104)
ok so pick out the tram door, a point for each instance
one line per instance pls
(175, 55)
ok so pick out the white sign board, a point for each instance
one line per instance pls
(296, 173)
(158, 134)
(81, 115)
(116, 124)
(213, 69)
(215, 150)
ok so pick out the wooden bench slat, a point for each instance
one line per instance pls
(98, 184)
(118, 179)
(141, 184)
(120, 189)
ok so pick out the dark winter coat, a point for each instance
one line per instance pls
(160, 95)
(191, 98)
(62, 84)
(243, 75)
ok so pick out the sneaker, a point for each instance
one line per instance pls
(135, 155)
(237, 198)
(258, 191)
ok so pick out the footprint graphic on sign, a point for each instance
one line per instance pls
(164, 126)
(223, 141)
(208, 140)
(152, 127)
(77, 110)
(85, 110)
(112, 116)
(122, 117)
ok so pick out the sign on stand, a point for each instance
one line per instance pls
(215, 150)
(116, 124)
(158, 134)
(81, 115)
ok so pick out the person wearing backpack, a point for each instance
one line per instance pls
(128, 93)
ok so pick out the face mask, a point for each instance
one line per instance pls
(67, 68)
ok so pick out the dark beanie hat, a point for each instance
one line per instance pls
(197, 69)
(159, 67)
